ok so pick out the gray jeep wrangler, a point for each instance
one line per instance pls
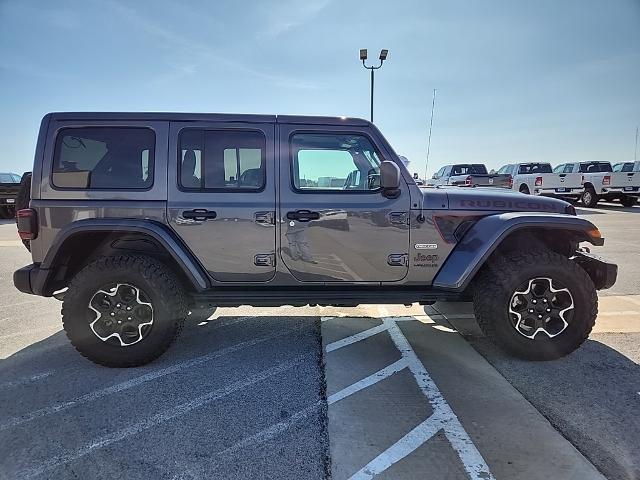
(137, 219)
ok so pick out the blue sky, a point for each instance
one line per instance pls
(517, 81)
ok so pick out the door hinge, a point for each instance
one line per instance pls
(264, 218)
(264, 260)
(399, 218)
(398, 259)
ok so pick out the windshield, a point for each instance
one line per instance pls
(9, 178)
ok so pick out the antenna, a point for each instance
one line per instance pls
(635, 152)
(433, 104)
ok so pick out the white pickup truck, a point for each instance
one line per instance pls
(627, 166)
(538, 178)
(602, 183)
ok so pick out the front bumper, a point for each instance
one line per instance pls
(602, 273)
(30, 279)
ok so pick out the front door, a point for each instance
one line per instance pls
(337, 226)
(222, 197)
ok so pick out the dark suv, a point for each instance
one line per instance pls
(137, 219)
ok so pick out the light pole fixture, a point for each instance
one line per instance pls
(382, 58)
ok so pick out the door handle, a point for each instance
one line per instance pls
(200, 214)
(264, 218)
(303, 215)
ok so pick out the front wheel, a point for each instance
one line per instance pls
(538, 305)
(124, 310)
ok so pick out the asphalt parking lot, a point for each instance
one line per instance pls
(377, 391)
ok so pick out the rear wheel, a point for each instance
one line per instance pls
(589, 197)
(524, 189)
(123, 311)
(537, 305)
(627, 201)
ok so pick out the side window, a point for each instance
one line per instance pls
(568, 168)
(230, 160)
(559, 168)
(113, 158)
(439, 173)
(504, 169)
(334, 162)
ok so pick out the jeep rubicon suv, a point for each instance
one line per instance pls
(136, 219)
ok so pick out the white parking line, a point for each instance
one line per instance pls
(442, 418)
(403, 447)
(134, 382)
(368, 381)
(355, 338)
(471, 458)
(158, 418)
(26, 380)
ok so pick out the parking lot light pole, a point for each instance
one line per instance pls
(382, 58)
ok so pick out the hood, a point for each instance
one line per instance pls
(496, 199)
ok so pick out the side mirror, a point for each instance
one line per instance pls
(435, 176)
(390, 179)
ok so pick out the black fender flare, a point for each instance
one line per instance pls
(159, 232)
(486, 234)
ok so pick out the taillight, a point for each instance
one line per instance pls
(606, 180)
(510, 181)
(538, 182)
(27, 220)
(467, 180)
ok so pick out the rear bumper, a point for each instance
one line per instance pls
(602, 273)
(552, 192)
(30, 279)
(621, 192)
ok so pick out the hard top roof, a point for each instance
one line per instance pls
(208, 117)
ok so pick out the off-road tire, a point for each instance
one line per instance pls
(23, 199)
(497, 283)
(524, 189)
(159, 283)
(627, 201)
(589, 197)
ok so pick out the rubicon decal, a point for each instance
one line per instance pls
(508, 204)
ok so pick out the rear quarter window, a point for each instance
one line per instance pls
(104, 158)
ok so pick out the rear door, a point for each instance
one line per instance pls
(337, 226)
(222, 197)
